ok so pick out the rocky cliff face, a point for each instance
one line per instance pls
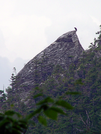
(55, 70)
(64, 51)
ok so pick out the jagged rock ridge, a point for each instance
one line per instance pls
(65, 50)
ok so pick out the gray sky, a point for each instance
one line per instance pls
(29, 26)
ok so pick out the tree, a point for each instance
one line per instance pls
(98, 41)
(13, 78)
(12, 122)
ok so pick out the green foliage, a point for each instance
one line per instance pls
(68, 101)
(13, 80)
(40, 94)
(58, 69)
(42, 120)
(73, 93)
(46, 100)
(64, 104)
(11, 122)
(79, 81)
(51, 113)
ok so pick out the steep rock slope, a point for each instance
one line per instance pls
(55, 81)
(64, 51)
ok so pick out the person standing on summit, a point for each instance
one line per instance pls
(75, 28)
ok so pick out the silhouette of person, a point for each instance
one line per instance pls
(75, 28)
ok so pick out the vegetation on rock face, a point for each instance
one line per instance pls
(15, 118)
(49, 100)
(12, 122)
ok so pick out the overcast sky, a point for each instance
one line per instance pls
(29, 26)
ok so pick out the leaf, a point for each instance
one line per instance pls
(42, 120)
(35, 96)
(17, 127)
(45, 107)
(50, 113)
(1, 116)
(12, 105)
(23, 123)
(79, 81)
(64, 104)
(37, 88)
(10, 112)
(58, 110)
(73, 93)
(4, 123)
(33, 113)
(48, 99)
(15, 131)
(31, 122)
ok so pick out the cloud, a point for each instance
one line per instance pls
(6, 69)
(2, 41)
(86, 27)
(5, 72)
(95, 20)
(30, 26)
(24, 35)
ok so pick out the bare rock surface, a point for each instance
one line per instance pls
(64, 51)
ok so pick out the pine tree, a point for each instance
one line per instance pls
(13, 79)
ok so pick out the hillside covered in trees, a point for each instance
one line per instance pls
(63, 66)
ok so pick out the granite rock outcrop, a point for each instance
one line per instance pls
(64, 51)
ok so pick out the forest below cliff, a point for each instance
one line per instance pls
(83, 76)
